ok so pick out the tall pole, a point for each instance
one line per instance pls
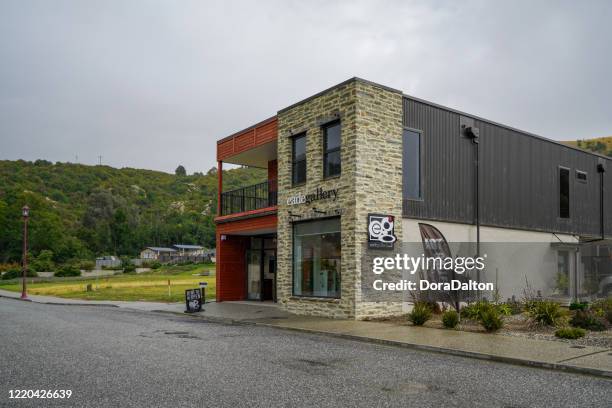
(220, 187)
(26, 214)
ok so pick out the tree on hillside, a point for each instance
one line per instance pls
(180, 171)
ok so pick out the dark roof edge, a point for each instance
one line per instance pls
(263, 122)
(348, 81)
(545, 139)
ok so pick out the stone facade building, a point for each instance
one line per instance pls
(347, 158)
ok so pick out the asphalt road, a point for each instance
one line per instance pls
(118, 358)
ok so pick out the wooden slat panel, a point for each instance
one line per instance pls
(250, 138)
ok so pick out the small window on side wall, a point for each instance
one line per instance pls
(581, 176)
(332, 165)
(564, 192)
(298, 159)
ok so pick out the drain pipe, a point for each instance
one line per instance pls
(473, 133)
(601, 169)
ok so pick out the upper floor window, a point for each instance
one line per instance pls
(564, 192)
(411, 165)
(331, 150)
(298, 159)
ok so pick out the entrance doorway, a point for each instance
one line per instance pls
(261, 268)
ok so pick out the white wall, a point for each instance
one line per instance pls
(512, 256)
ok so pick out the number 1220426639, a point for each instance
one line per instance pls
(40, 394)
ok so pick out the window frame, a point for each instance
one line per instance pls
(327, 298)
(582, 172)
(421, 166)
(294, 161)
(569, 193)
(326, 152)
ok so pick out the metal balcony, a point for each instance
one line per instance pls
(249, 198)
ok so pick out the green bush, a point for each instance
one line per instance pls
(504, 309)
(515, 306)
(129, 268)
(571, 333)
(603, 308)
(68, 270)
(579, 306)
(546, 312)
(43, 262)
(473, 311)
(490, 319)
(421, 312)
(587, 319)
(87, 265)
(450, 319)
(14, 273)
(151, 264)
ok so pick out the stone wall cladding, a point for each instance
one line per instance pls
(378, 176)
(371, 137)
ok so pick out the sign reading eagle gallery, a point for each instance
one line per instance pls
(319, 194)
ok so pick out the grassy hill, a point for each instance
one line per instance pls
(80, 211)
(601, 145)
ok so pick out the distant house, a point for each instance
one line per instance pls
(107, 261)
(210, 255)
(189, 250)
(157, 253)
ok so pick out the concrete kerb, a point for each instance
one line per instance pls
(58, 303)
(432, 349)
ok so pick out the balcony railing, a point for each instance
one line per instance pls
(249, 198)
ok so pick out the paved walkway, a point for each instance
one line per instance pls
(517, 350)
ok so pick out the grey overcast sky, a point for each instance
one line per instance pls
(153, 84)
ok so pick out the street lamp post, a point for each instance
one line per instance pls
(25, 212)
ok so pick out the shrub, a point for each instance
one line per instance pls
(571, 333)
(490, 319)
(15, 273)
(579, 306)
(450, 319)
(155, 265)
(587, 319)
(68, 270)
(421, 312)
(515, 306)
(603, 308)
(474, 310)
(504, 309)
(546, 312)
(129, 268)
(87, 265)
(44, 261)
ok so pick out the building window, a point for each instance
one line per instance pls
(331, 150)
(562, 284)
(581, 176)
(316, 258)
(411, 165)
(564, 192)
(298, 159)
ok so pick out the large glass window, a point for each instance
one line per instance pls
(564, 192)
(331, 150)
(316, 258)
(298, 159)
(411, 165)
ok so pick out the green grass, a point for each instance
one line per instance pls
(151, 286)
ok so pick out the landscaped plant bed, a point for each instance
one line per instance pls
(517, 325)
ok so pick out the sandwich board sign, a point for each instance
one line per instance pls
(193, 300)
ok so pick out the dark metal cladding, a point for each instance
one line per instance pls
(519, 176)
